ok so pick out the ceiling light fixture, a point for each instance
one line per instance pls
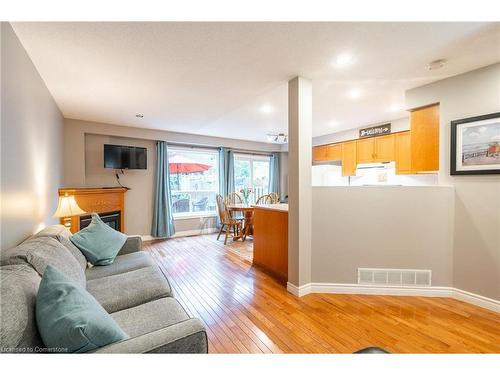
(354, 93)
(279, 138)
(436, 64)
(343, 60)
(266, 109)
(333, 124)
(139, 115)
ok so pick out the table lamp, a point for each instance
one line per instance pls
(66, 208)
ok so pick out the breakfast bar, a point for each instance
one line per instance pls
(270, 252)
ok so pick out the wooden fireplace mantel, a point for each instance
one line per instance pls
(98, 200)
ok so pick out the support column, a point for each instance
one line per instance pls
(299, 185)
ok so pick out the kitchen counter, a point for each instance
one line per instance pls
(276, 207)
(270, 239)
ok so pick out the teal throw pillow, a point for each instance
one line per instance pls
(69, 318)
(99, 242)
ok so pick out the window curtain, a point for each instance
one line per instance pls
(226, 171)
(274, 173)
(163, 220)
(230, 172)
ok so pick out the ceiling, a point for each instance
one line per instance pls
(230, 79)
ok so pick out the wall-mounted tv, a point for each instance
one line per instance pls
(125, 157)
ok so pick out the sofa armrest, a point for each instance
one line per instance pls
(133, 244)
(188, 336)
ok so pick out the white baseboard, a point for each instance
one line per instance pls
(186, 233)
(432, 291)
(476, 299)
(194, 232)
(299, 291)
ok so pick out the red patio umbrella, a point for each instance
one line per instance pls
(181, 164)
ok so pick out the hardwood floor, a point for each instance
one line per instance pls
(246, 311)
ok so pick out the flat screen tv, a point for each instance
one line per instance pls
(125, 157)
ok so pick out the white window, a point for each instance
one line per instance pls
(194, 181)
(252, 171)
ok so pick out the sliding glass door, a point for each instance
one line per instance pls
(252, 171)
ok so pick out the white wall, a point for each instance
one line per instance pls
(31, 145)
(382, 227)
(477, 203)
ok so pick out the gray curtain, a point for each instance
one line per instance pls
(163, 220)
(274, 173)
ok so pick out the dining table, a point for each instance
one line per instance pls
(247, 211)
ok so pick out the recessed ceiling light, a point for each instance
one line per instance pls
(436, 64)
(333, 124)
(354, 93)
(343, 60)
(266, 109)
(139, 115)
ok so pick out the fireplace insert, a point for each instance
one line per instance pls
(110, 218)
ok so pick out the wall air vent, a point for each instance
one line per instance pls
(397, 277)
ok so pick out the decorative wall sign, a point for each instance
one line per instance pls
(475, 145)
(375, 130)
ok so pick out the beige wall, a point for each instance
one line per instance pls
(283, 174)
(477, 202)
(83, 144)
(382, 227)
(31, 145)
(299, 188)
(139, 211)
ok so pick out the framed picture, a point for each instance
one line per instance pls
(475, 145)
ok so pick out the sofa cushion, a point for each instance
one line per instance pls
(42, 251)
(62, 234)
(122, 264)
(99, 242)
(69, 318)
(18, 289)
(125, 290)
(150, 316)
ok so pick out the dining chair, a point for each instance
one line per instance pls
(235, 198)
(275, 197)
(264, 199)
(227, 222)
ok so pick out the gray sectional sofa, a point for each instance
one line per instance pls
(132, 289)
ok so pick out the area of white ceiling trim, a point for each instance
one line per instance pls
(212, 78)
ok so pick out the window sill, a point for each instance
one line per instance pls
(194, 215)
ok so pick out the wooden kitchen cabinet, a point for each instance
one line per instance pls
(327, 152)
(349, 162)
(385, 148)
(319, 153)
(376, 149)
(365, 150)
(403, 153)
(425, 139)
(334, 151)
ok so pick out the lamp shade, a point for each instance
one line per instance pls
(67, 207)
